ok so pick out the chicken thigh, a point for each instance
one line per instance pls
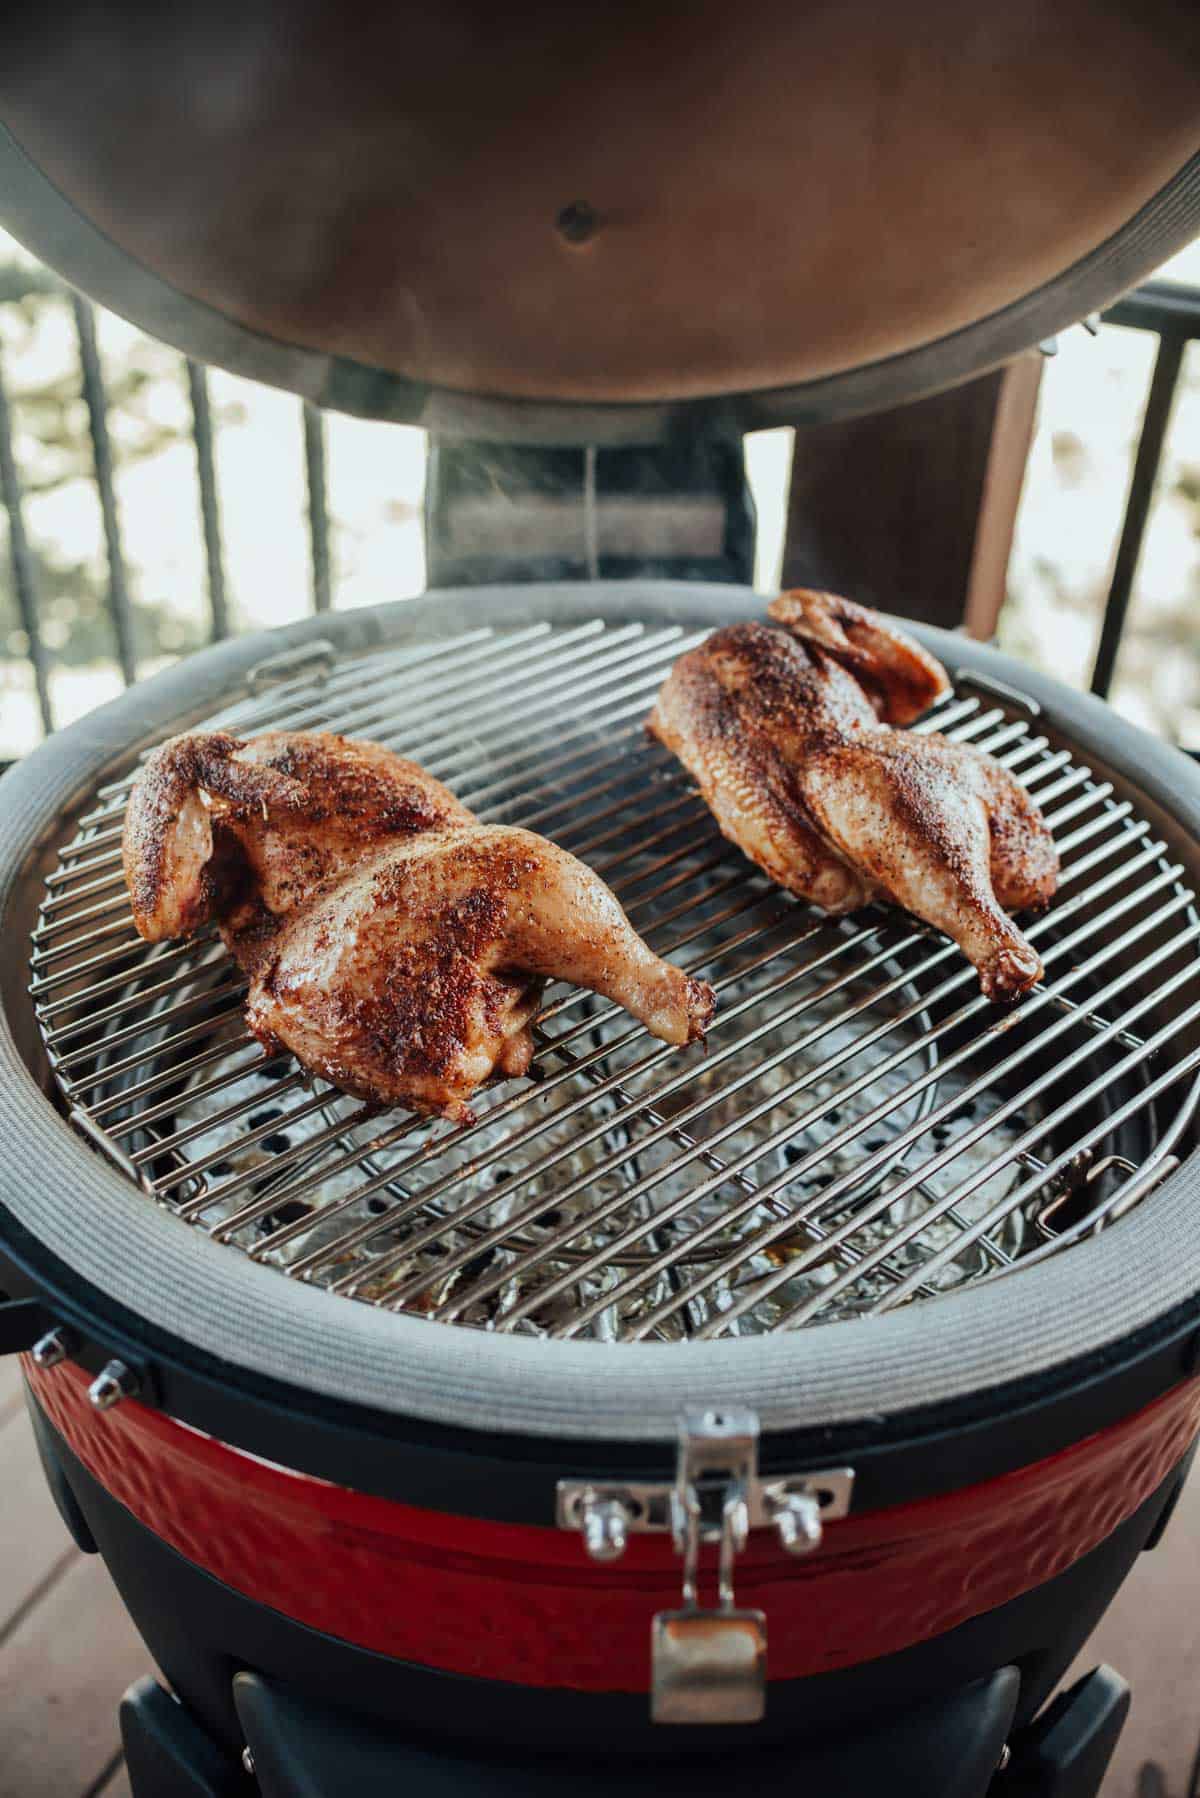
(791, 754)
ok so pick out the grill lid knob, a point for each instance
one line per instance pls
(798, 1523)
(113, 1383)
(52, 1348)
(605, 1529)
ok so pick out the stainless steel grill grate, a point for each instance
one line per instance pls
(863, 1130)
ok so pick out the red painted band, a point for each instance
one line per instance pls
(522, 1603)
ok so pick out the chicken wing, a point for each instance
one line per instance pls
(392, 942)
(212, 817)
(416, 975)
(901, 679)
(800, 772)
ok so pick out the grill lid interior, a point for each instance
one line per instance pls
(864, 1131)
(574, 225)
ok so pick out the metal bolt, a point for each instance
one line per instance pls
(605, 1529)
(1005, 1757)
(51, 1348)
(1049, 346)
(798, 1523)
(577, 223)
(248, 1760)
(111, 1385)
(1091, 324)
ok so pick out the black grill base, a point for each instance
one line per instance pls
(202, 1633)
(953, 1750)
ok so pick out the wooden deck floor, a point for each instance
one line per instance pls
(68, 1651)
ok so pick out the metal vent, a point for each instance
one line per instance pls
(862, 1131)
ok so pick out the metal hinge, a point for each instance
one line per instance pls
(708, 1664)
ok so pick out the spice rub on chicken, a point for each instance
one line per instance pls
(213, 818)
(395, 945)
(469, 924)
(790, 736)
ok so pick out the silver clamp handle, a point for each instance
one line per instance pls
(708, 1663)
(717, 1461)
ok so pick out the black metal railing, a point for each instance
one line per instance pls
(210, 505)
(1171, 312)
(31, 283)
(24, 579)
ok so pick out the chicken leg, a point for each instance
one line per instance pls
(416, 975)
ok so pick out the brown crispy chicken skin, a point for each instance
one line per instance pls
(791, 753)
(284, 811)
(392, 942)
(415, 975)
(900, 679)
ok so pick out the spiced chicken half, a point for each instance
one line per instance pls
(395, 945)
(791, 736)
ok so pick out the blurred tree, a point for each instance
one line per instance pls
(73, 593)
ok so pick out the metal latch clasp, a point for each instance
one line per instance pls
(708, 1663)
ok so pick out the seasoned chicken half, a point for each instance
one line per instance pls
(213, 819)
(415, 976)
(392, 943)
(838, 807)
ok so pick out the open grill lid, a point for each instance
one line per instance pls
(569, 223)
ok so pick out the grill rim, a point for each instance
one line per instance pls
(1139, 1273)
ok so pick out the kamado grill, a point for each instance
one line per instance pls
(400, 1402)
(786, 1410)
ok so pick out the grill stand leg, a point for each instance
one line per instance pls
(168, 1755)
(1065, 1753)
